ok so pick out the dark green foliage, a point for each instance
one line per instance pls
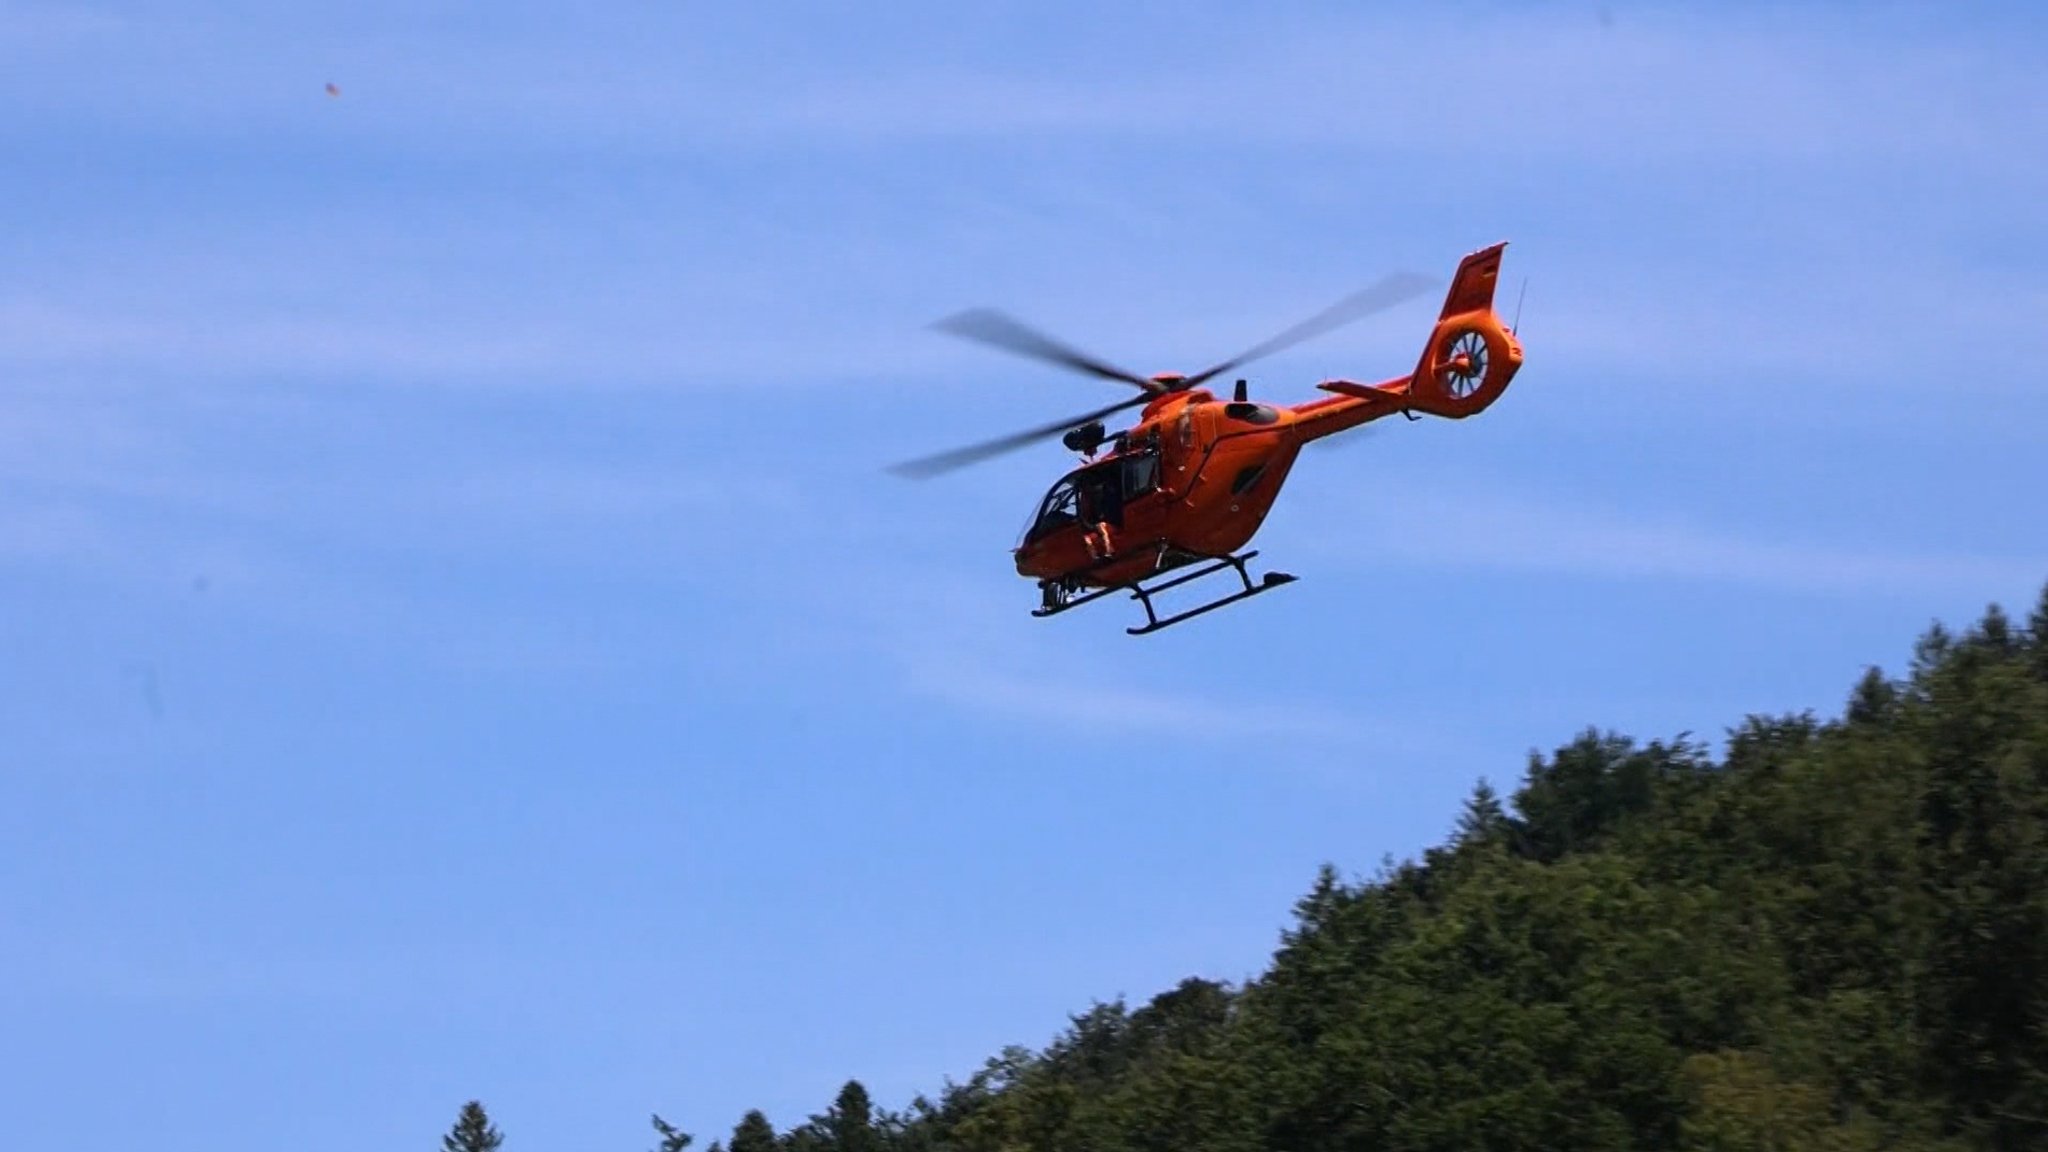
(753, 1134)
(850, 1124)
(473, 1131)
(1834, 938)
(673, 1139)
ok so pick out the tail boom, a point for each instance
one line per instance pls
(1469, 360)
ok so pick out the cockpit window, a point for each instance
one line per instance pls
(1097, 492)
(1058, 509)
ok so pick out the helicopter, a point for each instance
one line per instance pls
(1189, 484)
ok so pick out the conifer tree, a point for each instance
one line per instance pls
(673, 1139)
(851, 1122)
(473, 1131)
(1483, 819)
(753, 1134)
(1873, 700)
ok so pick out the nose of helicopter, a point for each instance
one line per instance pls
(1030, 560)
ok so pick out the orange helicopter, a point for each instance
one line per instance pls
(1191, 482)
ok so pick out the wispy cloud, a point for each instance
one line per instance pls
(1661, 85)
(44, 22)
(1022, 679)
(142, 556)
(1886, 331)
(764, 296)
(605, 347)
(307, 551)
(1071, 701)
(1464, 528)
(38, 333)
(1651, 85)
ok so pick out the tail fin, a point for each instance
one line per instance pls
(1471, 354)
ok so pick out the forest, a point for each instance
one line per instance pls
(1831, 937)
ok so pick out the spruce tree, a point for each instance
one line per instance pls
(473, 1131)
(1483, 820)
(851, 1121)
(673, 1139)
(753, 1134)
(1874, 699)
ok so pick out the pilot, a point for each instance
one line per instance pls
(1095, 528)
(1099, 543)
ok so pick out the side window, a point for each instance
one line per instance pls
(1141, 474)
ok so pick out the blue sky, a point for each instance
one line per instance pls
(457, 639)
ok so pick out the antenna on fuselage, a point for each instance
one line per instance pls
(1516, 326)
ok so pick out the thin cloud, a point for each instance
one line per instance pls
(531, 348)
(1072, 701)
(1662, 88)
(1041, 693)
(43, 23)
(35, 332)
(1471, 530)
(1884, 329)
(1659, 85)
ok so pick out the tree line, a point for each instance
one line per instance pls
(1832, 937)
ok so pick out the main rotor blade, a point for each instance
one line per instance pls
(929, 466)
(988, 326)
(1379, 297)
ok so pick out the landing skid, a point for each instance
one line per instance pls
(1059, 594)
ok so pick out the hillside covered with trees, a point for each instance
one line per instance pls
(1832, 937)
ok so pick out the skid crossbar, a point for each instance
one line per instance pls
(1055, 603)
(1153, 623)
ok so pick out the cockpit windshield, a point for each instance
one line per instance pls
(1096, 493)
(1059, 508)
